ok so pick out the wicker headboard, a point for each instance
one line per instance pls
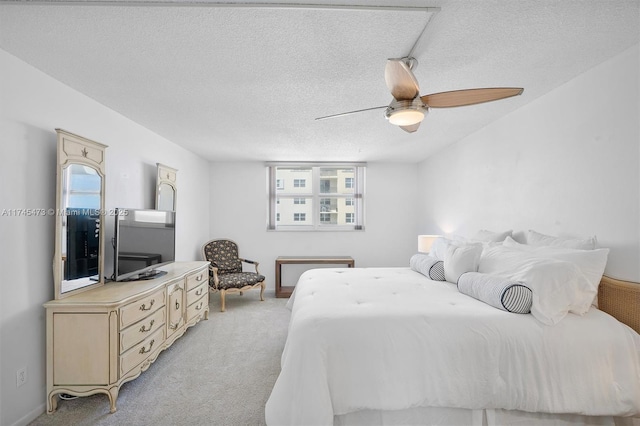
(621, 300)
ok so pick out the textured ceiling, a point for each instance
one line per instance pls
(245, 83)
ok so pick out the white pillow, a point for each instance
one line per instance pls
(537, 239)
(558, 289)
(489, 236)
(555, 285)
(461, 259)
(511, 256)
(590, 262)
(439, 247)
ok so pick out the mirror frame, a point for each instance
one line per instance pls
(74, 149)
(168, 176)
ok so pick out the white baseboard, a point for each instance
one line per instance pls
(31, 415)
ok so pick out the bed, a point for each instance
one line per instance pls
(392, 346)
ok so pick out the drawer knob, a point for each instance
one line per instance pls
(144, 308)
(145, 351)
(199, 277)
(145, 330)
(199, 292)
(199, 306)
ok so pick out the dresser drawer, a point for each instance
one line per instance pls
(141, 351)
(142, 329)
(134, 312)
(198, 307)
(198, 278)
(196, 293)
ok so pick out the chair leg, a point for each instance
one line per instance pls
(241, 293)
(222, 295)
(262, 286)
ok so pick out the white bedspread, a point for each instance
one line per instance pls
(389, 338)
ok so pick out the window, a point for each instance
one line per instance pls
(348, 182)
(318, 196)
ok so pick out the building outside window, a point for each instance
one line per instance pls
(326, 196)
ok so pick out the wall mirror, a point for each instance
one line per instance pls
(78, 263)
(166, 189)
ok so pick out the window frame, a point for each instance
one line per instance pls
(315, 223)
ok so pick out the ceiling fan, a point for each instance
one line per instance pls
(408, 108)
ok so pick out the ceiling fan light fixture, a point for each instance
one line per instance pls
(406, 117)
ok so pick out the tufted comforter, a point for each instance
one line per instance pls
(391, 339)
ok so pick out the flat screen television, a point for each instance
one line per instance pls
(144, 241)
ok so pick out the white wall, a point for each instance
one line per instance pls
(239, 212)
(566, 164)
(32, 106)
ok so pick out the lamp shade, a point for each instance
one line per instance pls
(425, 242)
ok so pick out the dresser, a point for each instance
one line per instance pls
(101, 338)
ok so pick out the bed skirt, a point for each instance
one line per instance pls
(488, 417)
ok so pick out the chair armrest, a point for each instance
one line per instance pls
(252, 262)
(213, 271)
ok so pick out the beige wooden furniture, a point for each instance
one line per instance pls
(285, 291)
(101, 338)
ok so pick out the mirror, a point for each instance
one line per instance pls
(79, 252)
(166, 189)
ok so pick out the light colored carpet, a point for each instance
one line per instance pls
(220, 372)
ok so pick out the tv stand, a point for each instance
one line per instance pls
(100, 339)
(148, 275)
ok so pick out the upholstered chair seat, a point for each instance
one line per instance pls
(237, 280)
(225, 270)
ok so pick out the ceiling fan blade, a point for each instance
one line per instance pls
(458, 98)
(410, 129)
(350, 112)
(400, 80)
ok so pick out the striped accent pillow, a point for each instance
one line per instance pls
(436, 271)
(428, 266)
(499, 292)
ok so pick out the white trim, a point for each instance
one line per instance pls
(31, 415)
(204, 3)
